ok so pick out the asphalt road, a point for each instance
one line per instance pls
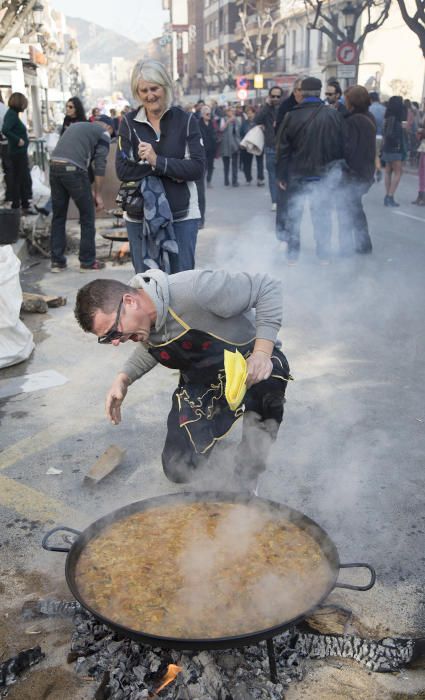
(351, 451)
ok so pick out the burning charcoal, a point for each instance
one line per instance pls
(18, 664)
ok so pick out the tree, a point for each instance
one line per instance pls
(13, 14)
(416, 21)
(259, 21)
(327, 19)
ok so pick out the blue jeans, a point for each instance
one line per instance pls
(186, 233)
(66, 183)
(271, 170)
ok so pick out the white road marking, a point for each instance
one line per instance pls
(409, 216)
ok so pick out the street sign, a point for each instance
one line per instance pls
(242, 94)
(347, 53)
(258, 81)
(345, 71)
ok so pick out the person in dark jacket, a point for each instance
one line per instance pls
(333, 94)
(266, 118)
(282, 196)
(17, 138)
(247, 158)
(311, 149)
(229, 145)
(75, 112)
(209, 138)
(164, 141)
(359, 153)
(393, 148)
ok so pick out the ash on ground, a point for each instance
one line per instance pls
(127, 670)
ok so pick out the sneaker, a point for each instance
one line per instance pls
(96, 265)
(274, 206)
(58, 267)
(260, 183)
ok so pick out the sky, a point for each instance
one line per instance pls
(140, 20)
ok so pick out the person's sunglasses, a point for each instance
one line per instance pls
(275, 97)
(70, 106)
(330, 94)
(113, 333)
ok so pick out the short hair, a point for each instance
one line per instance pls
(18, 101)
(358, 98)
(334, 83)
(311, 93)
(205, 109)
(276, 87)
(374, 96)
(153, 72)
(99, 295)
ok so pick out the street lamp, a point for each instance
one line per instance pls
(349, 13)
(37, 15)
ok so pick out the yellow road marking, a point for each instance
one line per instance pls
(35, 505)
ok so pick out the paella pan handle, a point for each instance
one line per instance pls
(352, 586)
(45, 540)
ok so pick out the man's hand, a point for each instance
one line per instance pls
(146, 152)
(99, 202)
(115, 397)
(282, 185)
(21, 142)
(259, 367)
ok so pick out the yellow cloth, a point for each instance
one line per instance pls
(236, 371)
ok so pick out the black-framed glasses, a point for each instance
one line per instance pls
(113, 333)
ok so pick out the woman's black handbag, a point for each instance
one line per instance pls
(130, 199)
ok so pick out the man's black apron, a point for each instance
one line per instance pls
(199, 405)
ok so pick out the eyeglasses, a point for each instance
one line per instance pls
(275, 97)
(330, 94)
(113, 333)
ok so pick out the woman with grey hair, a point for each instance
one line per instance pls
(160, 140)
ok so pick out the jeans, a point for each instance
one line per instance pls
(226, 164)
(318, 194)
(271, 170)
(246, 161)
(21, 185)
(186, 233)
(68, 181)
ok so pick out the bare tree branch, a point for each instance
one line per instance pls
(416, 22)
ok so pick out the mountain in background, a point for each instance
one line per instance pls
(98, 45)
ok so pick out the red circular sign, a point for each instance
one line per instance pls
(347, 53)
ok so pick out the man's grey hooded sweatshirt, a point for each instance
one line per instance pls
(214, 301)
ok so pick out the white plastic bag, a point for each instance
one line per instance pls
(16, 341)
(39, 188)
(253, 141)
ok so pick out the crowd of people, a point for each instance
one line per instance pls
(166, 157)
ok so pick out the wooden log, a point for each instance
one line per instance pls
(51, 301)
(103, 466)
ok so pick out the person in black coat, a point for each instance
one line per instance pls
(74, 113)
(359, 153)
(209, 138)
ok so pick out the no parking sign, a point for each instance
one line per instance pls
(347, 53)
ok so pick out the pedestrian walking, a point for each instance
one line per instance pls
(282, 195)
(81, 144)
(266, 118)
(247, 158)
(394, 149)
(186, 322)
(333, 94)
(377, 109)
(16, 133)
(160, 150)
(359, 153)
(229, 145)
(209, 137)
(75, 112)
(95, 114)
(309, 166)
